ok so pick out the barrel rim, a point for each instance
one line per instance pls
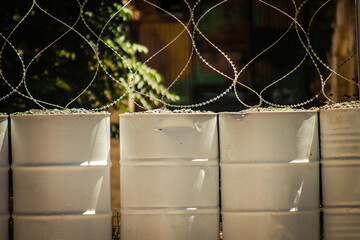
(338, 163)
(166, 114)
(63, 215)
(341, 210)
(339, 109)
(169, 211)
(59, 167)
(278, 213)
(268, 112)
(59, 115)
(271, 164)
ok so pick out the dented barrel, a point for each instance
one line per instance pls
(270, 186)
(61, 176)
(169, 176)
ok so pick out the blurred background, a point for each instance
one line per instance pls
(89, 54)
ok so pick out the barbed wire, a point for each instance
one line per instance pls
(190, 27)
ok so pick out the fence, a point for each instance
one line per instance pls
(83, 38)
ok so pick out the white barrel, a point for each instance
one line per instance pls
(189, 184)
(340, 134)
(68, 139)
(61, 176)
(270, 175)
(302, 225)
(60, 227)
(68, 189)
(341, 181)
(340, 159)
(190, 223)
(270, 187)
(269, 137)
(4, 178)
(169, 176)
(341, 223)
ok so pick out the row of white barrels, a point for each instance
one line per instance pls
(269, 168)
(269, 176)
(61, 177)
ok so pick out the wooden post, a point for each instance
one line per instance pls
(343, 46)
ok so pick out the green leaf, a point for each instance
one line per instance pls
(62, 84)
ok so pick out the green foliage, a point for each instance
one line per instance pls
(99, 56)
